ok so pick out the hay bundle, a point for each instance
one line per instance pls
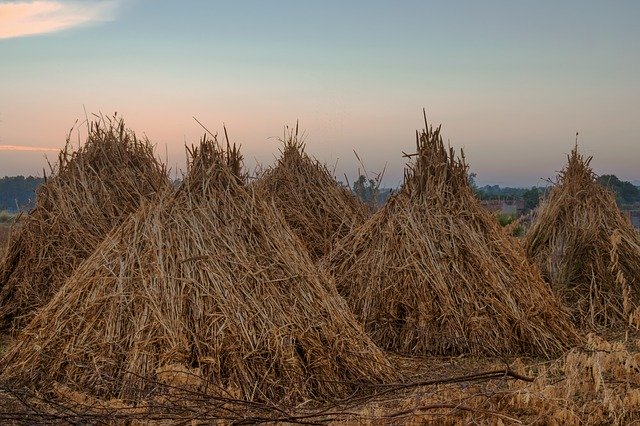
(91, 190)
(314, 205)
(433, 273)
(587, 249)
(209, 280)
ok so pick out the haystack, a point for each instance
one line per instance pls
(207, 283)
(586, 249)
(315, 206)
(91, 190)
(433, 273)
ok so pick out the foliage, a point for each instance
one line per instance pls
(510, 222)
(6, 216)
(531, 198)
(18, 192)
(366, 189)
(626, 192)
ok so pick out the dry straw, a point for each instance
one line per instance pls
(315, 206)
(433, 273)
(91, 190)
(586, 249)
(209, 288)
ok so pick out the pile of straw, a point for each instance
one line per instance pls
(91, 190)
(433, 273)
(315, 206)
(586, 249)
(207, 287)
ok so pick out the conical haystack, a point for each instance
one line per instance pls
(314, 205)
(586, 249)
(433, 273)
(210, 283)
(91, 190)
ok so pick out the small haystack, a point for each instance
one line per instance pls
(207, 287)
(433, 273)
(586, 249)
(91, 190)
(315, 206)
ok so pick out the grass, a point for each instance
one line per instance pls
(6, 216)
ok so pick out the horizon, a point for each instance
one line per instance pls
(510, 83)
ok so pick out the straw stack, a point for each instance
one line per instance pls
(208, 283)
(314, 205)
(433, 273)
(586, 249)
(91, 190)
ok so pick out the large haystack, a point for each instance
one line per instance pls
(586, 249)
(209, 283)
(314, 205)
(433, 273)
(91, 190)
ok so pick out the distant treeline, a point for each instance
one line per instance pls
(626, 192)
(18, 193)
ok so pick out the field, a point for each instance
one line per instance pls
(595, 384)
(285, 299)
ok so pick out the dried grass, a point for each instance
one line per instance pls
(314, 205)
(205, 288)
(91, 190)
(5, 230)
(433, 273)
(595, 384)
(587, 250)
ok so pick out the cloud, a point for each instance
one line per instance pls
(25, 148)
(28, 18)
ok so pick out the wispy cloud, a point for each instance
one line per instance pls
(25, 148)
(27, 18)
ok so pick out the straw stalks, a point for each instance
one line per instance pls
(433, 273)
(587, 249)
(206, 290)
(91, 190)
(317, 209)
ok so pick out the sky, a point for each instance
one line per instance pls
(511, 82)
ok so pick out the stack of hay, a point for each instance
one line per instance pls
(433, 273)
(586, 249)
(91, 190)
(314, 205)
(210, 283)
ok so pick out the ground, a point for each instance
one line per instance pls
(596, 383)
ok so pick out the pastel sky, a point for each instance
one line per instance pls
(511, 81)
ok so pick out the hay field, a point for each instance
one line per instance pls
(208, 304)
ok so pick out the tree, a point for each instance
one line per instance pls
(531, 198)
(366, 189)
(626, 192)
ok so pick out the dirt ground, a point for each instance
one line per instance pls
(596, 383)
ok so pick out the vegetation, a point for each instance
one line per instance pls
(17, 193)
(626, 192)
(6, 216)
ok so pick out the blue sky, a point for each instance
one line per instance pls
(510, 81)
